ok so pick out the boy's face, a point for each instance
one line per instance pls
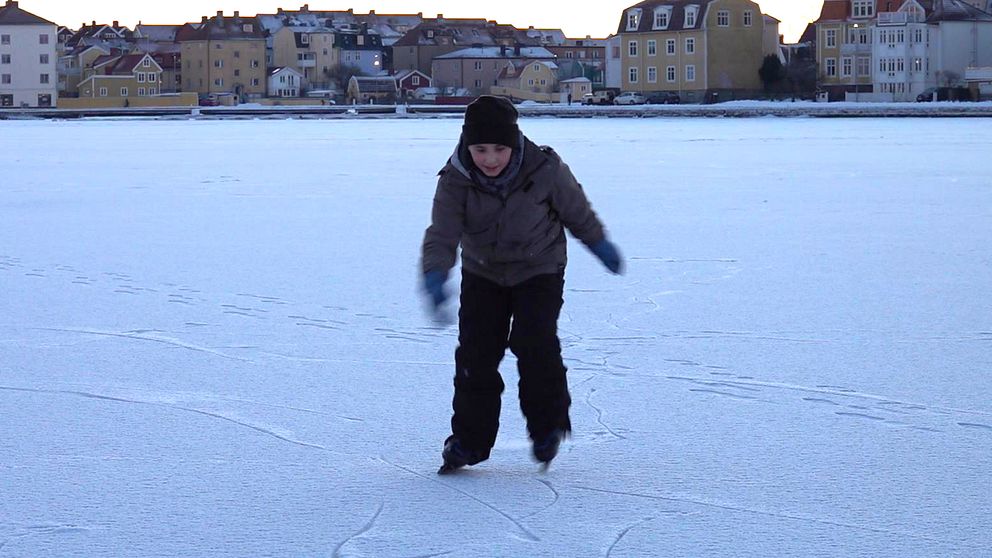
(491, 158)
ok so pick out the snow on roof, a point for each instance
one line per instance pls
(499, 52)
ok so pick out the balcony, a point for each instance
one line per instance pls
(899, 18)
(307, 60)
(853, 49)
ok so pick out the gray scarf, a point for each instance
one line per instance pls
(498, 184)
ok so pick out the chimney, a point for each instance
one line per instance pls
(11, 3)
(371, 12)
(305, 8)
(116, 24)
(204, 20)
(237, 14)
(93, 24)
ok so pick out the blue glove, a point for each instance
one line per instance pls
(607, 253)
(434, 285)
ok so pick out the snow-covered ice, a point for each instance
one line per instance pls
(212, 344)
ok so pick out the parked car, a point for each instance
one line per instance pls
(603, 97)
(629, 98)
(664, 98)
(927, 95)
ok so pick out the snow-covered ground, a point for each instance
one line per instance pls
(212, 344)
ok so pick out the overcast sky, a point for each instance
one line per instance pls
(577, 19)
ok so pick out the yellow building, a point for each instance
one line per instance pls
(131, 75)
(704, 50)
(224, 56)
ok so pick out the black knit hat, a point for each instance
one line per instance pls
(490, 119)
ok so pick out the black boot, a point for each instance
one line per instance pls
(547, 449)
(456, 456)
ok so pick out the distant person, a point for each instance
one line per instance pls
(507, 202)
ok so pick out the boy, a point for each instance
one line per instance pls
(507, 202)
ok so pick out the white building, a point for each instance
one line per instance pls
(28, 76)
(285, 82)
(927, 44)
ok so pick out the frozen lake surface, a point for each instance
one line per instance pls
(212, 344)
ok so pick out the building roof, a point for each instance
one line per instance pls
(224, 28)
(675, 23)
(281, 69)
(956, 10)
(537, 53)
(12, 14)
(157, 33)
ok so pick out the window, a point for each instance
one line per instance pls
(543, 82)
(632, 48)
(536, 67)
(218, 63)
(864, 8)
(5, 79)
(661, 19)
(361, 40)
(748, 18)
(917, 64)
(103, 92)
(670, 47)
(831, 38)
(141, 78)
(569, 55)
(152, 91)
(254, 82)
(846, 66)
(690, 17)
(652, 47)
(670, 74)
(237, 73)
(652, 74)
(478, 66)
(4, 39)
(304, 39)
(415, 81)
(248, 28)
(831, 67)
(864, 66)
(218, 46)
(43, 59)
(44, 78)
(146, 62)
(633, 20)
(530, 82)
(43, 39)
(4, 59)
(633, 75)
(6, 100)
(723, 18)
(690, 73)
(690, 45)
(152, 78)
(123, 91)
(141, 91)
(219, 82)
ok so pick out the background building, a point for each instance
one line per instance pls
(28, 76)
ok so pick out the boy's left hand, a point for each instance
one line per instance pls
(607, 253)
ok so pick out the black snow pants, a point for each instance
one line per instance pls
(524, 318)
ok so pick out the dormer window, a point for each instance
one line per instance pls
(633, 19)
(662, 16)
(247, 28)
(304, 39)
(690, 15)
(863, 8)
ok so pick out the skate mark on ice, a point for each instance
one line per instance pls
(527, 535)
(435, 555)
(162, 340)
(365, 529)
(100, 397)
(599, 416)
(975, 425)
(545, 508)
(623, 533)
(764, 513)
(723, 393)
(265, 299)
(36, 273)
(820, 401)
